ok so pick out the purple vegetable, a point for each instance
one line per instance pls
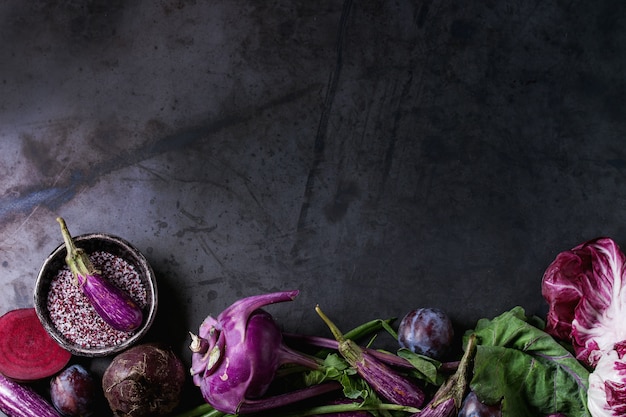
(473, 407)
(384, 380)
(144, 381)
(585, 288)
(606, 396)
(445, 408)
(73, 392)
(17, 400)
(448, 399)
(110, 302)
(386, 357)
(236, 356)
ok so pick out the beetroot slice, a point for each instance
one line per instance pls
(27, 352)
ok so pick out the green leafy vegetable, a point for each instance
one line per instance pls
(527, 369)
(426, 368)
(337, 369)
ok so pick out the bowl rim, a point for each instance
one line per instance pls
(141, 263)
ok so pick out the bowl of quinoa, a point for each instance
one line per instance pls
(69, 317)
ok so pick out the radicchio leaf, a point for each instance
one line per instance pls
(585, 288)
(607, 385)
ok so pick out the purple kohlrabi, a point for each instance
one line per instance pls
(236, 356)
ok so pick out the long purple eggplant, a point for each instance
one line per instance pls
(17, 400)
(110, 302)
(384, 380)
(448, 399)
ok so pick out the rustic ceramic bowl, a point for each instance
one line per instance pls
(91, 243)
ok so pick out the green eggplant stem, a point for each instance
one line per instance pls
(333, 328)
(456, 385)
(76, 258)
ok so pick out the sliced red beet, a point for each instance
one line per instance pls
(27, 352)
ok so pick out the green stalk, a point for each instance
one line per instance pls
(368, 328)
(76, 258)
(456, 385)
(347, 347)
(343, 408)
(215, 413)
(203, 410)
(333, 328)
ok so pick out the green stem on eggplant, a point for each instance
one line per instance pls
(76, 258)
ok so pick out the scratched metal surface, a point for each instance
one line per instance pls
(378, 156)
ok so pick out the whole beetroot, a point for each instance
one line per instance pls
(145, 380)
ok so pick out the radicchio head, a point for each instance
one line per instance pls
(585, 288)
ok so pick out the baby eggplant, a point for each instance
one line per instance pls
(110, 302)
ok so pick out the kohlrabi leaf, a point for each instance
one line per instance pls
(528, 370)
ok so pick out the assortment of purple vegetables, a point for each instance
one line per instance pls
(506, 362)
(571, 365)
(114, 306)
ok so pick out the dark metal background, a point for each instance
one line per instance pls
(377, 155)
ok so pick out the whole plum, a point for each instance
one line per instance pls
(473, 407)
(427, 331)
(74, 391)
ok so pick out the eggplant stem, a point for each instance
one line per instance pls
(67, 237)
(333, 328)
(456, 385)
(76, 258)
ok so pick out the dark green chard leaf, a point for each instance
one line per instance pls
(527, 369)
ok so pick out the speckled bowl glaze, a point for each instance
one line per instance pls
(91, 243)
